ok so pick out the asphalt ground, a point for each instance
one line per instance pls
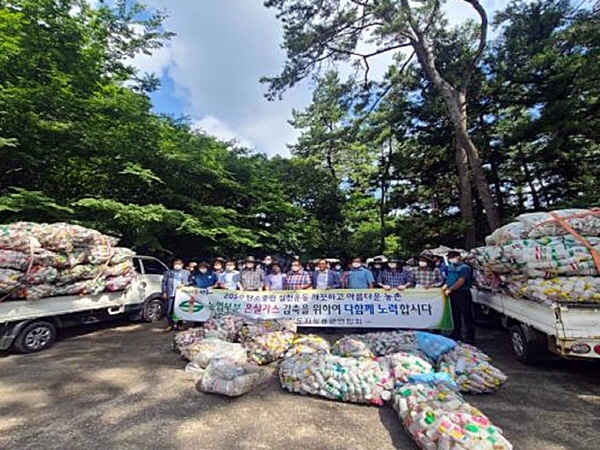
(120, 387)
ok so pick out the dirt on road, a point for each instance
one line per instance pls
(121, 387)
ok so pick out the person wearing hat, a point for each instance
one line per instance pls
(204, 278)
(218, 266)
(377, 267)
(426, 274)
(396, 276)
(458, 288)
(252, 277)
(275, 280)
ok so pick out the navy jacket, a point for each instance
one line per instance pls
(333, 279)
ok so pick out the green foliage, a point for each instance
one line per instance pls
(374, 168)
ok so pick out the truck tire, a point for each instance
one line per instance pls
(35, 337)
(525, 348)
(154, 310)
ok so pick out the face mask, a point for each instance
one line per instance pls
(230, 268)
(356, 265)
(267, 261)
(377, 266)
(295, 268)
(203, 270)
(218, 266)
(453, 261)
(392, 265)
(249, 266)
(178, 266)
(338, 267)
(422, 264)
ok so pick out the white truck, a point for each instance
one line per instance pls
(32, 326)
(565, 329)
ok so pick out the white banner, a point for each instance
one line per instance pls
(369, 308)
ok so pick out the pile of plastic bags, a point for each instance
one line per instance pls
(543, 257)
(225, 352)
(44, 260)
(437, 418)
(232, 376)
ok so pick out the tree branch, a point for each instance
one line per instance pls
(468, 72)
(385, 91)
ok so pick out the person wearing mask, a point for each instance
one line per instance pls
(441, 265)
(265, 265)
(297, 278)
(204, 278)
(240, 265)
(191, 266)
(378, 267)
(458, 288)
(252, 277)
(218, 266)
(396, 276)
(275, 280)
(427, 275)
(337, 268)
(359, 277)
(172, 280)
(324, 278)
(230, 278)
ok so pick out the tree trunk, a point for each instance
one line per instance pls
(457, 113)
(466, 194)
(458, 116)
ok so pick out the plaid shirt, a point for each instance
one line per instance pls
(395, 278)
(426, 277)
(296, 280)
(252, 279)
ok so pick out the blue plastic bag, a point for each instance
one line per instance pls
(434, 378)
(434, 345)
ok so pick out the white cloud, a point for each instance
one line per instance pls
(219, 129)
(220, 52)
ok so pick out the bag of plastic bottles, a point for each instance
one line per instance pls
(308, 344)
(257, 327)
(356, 380)
(472, 370)
(226, 327)
(437, 418)
(232, 377)
(269, 347)
(210, 348)
(405, 364)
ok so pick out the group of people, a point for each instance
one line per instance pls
(430, 271)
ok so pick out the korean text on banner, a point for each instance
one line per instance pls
(369, 308)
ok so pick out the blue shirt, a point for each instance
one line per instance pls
(359, 278)
(275, 281)
(459, 271)
(205, 280)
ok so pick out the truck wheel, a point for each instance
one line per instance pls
(524, 349)
(154, 310)
(35, 337)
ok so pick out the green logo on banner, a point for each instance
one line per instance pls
(197, 307)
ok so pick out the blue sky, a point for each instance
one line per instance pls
(210, 69)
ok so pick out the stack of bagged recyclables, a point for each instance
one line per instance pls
(419, 372)
(227, 352)
(537, 258)
(44, 260)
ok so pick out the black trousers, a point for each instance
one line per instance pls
(462, 315)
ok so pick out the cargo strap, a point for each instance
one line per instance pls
(562, 221)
